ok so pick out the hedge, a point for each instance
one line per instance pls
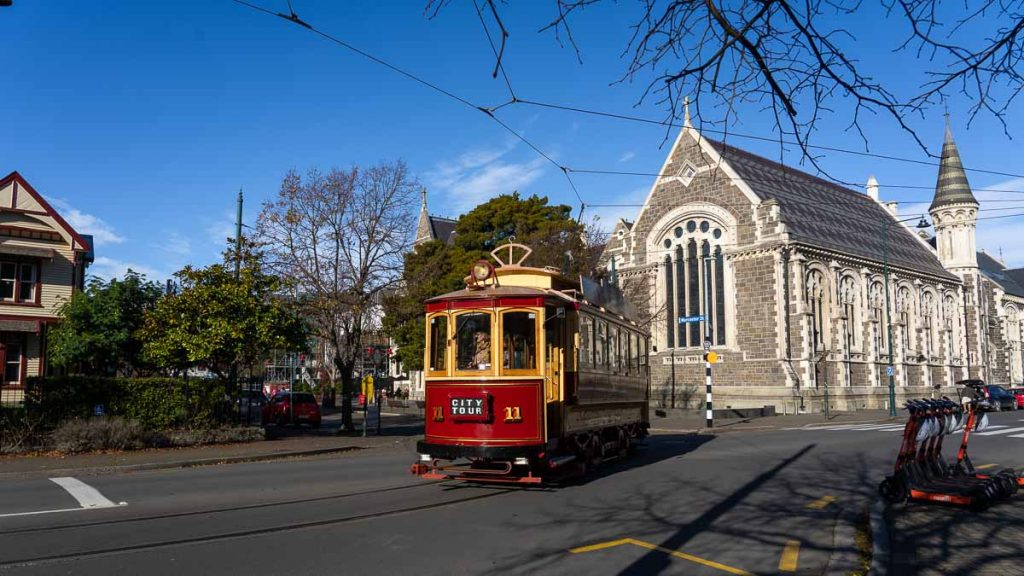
(155, 403)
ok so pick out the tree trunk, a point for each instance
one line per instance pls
(347, 389)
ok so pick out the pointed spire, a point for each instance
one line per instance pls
(423, 195)
(686, 112)
(952, 186)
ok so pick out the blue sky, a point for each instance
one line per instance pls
(141, 120)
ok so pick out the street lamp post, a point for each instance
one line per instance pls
(888, 307)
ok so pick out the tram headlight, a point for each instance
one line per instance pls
(481, 270)
(425, 458)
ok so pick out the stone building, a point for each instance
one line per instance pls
(788, 272)
(432, 227)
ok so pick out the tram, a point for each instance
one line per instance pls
(530, 375)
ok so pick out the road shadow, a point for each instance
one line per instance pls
(757, 517)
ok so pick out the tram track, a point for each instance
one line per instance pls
(292, 502)
(480, 493)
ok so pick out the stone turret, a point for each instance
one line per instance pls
(423, 229)
(954, 211)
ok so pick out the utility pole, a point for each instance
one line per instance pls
(238, 238)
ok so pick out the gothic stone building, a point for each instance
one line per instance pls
(788, 272)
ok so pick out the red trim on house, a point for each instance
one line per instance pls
(14, 196)
(24, 360)
(43, 333)
(82, 245)
(39, 284)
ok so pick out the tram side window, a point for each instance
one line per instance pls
(473, 341)
(586, 341)
(601, 339)
(438, 343)
(520, 340)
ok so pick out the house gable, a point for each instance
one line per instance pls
(23, 210)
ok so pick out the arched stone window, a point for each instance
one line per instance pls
(904, 306)
(1013, 336)
(876, 299)
(694, 282)
(848, 301)
(929, 324)
(815, 299)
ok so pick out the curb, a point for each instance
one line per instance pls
(184, 463)
(879, 540)
(845, 556)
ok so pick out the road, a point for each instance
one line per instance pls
(752, 502)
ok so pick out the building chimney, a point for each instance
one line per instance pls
(872, 188)
(892, 207)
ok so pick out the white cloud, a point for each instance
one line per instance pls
(177, 244)
(85, 223)
(479, 175)
(221, 230)
(108, 268)
(627, 156)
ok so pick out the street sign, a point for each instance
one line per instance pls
(707, 345)
(690, 319)
(889, 371)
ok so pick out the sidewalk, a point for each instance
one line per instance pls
(679, 420)
(399, 431)
(286, 443)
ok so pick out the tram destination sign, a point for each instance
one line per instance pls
(469, 407)
(690, 319)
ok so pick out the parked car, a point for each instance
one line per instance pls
(1018, 393)
(250, 405)
(1000, 399)
(281, 412)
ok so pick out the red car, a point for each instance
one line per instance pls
(281, 412)
(1018, 393)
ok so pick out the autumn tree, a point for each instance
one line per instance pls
(221, 321)
(339, 237)
(97, 330)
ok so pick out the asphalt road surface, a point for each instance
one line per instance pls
(752, 502)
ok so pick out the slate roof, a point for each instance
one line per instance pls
(996, 272)
(952, 186)
(824, 214)
(1017, 274)
(442, 228)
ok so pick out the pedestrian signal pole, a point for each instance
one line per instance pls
(709, 356)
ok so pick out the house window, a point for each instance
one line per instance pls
(12, 363)
(17, 282)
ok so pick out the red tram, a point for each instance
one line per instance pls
(530, 375)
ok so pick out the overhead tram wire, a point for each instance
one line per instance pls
(670, 124)
(487, 111)
(292, 17)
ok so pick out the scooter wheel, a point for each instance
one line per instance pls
(980, 500)
(893, 490)
(1010, 477)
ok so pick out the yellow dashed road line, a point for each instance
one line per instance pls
(821, 503)
(675, 553)
(790, 556)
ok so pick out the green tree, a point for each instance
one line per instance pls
(221, 322)
(97, 331)
(435, 268)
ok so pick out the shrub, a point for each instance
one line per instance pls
(19, 431)
(76, 436)
(155, 403)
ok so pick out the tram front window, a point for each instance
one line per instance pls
(473, 339)
(520, 340)
(438, 343)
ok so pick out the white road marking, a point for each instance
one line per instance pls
(1007, 431)
(88, 498)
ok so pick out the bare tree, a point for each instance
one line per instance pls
(340, 237)
(796, 60)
